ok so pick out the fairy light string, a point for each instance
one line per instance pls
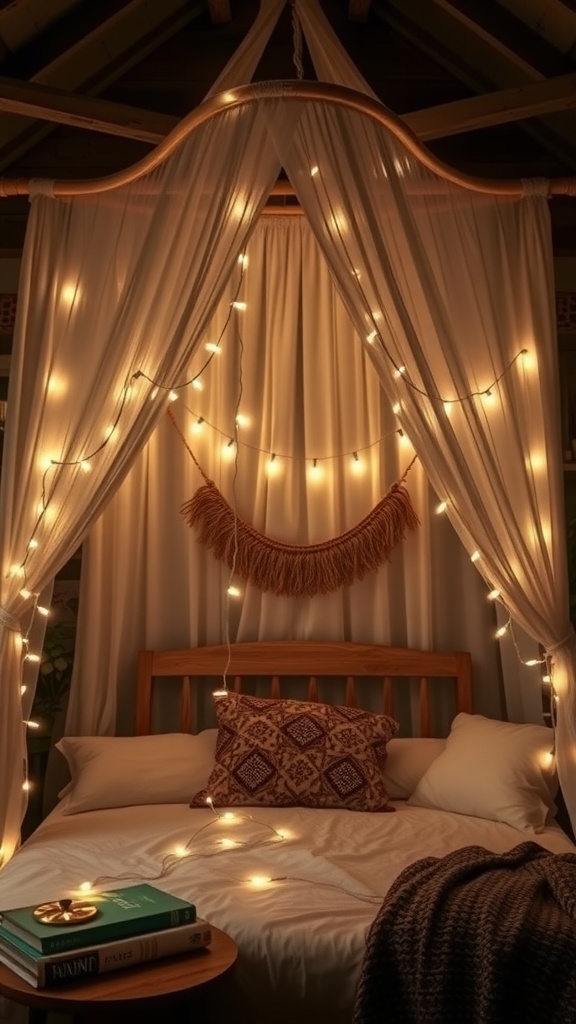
(232, 847)
(83, 461)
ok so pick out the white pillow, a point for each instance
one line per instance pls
(406, 762)
(495, 770)
(119, 771)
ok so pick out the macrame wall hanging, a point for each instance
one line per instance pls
(295, 570)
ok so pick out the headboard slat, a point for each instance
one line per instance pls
(305, 659)
(388, 698)
(424, 707)
(350, 693)
(185, 706)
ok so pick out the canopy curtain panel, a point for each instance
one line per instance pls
(451, 292)
(454, 297)
(293, 371)
(111, 285)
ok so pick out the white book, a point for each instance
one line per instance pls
(91, 961)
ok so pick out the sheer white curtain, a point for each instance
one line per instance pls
(447, 288)
(308, 391)
(112, 286)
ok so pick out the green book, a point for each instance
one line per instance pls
(120, 912)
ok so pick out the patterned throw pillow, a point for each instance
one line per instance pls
(289, 753)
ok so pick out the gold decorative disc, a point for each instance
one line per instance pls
(65, 912)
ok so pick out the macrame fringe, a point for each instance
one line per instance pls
(295, 571)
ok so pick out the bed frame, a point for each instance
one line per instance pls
(307, 659)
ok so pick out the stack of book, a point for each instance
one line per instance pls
(130, 926)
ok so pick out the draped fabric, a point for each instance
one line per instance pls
(111, 285)
(443, 287)
(309, 390)
(448, 287)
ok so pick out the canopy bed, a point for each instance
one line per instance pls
(296, 880)
(447, 282)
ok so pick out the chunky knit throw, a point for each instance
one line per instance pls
(474, 938)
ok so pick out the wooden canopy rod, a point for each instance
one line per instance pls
(324, 92)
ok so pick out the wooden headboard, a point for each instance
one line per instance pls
(308, 659)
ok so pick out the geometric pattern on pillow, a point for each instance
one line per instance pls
(286, 753)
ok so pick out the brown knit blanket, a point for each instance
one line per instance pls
(474, 938)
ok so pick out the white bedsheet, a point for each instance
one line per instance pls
(301, 938)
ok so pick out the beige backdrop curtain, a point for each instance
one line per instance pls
(309, 391)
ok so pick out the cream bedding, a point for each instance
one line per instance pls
(301, 938)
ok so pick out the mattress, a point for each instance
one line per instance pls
(297, 888)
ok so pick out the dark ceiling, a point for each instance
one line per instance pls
(89, 87)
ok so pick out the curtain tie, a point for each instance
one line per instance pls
(42, 187)
(8, 621)
(551, 650)
(535, 187)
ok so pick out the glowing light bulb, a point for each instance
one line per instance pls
(493, 595)
(211, 346)
(32, 725)
(396, 408)
(32, 657)
(358, 466)
(441, 507)
(42, 610)
(447, 408)
(86, 887)
(229, 449)
(532, 661)
(259, 881)
(488, 397)
(197, 385)
(234, 591)
(172, 396)
(227, 842)
(242, 420)
(70, 292)
(314, 171)
(25, 593)
(315, 472)
(399, 371)
(527, 359)
(243, 259)
(475, 556)
(180, 851)
(154, 393)
(241, 306)
(370, 338)
(501, 631)
(199, 425)
(33, 544)
(272, 466)
(17, 570)
(85, 466)
(57, 385)
(26, 786)
(228, 816)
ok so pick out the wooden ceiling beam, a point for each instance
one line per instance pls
(46, 104)
(131, 34)
(219, 11)
(469, 50)
(35, 101)
(494, 108)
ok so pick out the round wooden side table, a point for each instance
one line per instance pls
(140, 990)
